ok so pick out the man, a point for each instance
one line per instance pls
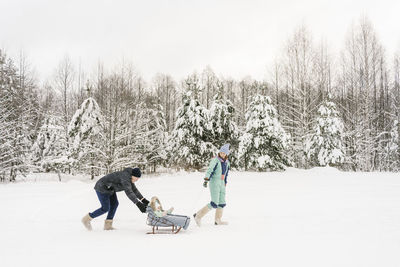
(106, 189)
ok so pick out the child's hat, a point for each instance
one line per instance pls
(225, 149)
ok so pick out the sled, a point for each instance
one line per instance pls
(170, 224)
(156, 230)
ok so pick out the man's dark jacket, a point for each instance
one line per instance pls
(119, 181)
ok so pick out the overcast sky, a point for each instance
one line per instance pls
(236, 38)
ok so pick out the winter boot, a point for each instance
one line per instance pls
(108, 225)
(200, 214)
(218, 216)
(86, 222)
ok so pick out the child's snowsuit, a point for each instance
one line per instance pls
(217, 173)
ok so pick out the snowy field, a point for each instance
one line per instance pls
(320, 217)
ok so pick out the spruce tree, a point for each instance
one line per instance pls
(190, 144)
(223, 127)
(264, 143)
(324, 146)
(86, 136)
(49, 152)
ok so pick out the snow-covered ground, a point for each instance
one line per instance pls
(319, 217)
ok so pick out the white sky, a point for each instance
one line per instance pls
(236, 38)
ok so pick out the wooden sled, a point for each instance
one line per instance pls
(172, 230)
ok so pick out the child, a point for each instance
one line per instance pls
(159, 217)
(217, 175)
(157, 208)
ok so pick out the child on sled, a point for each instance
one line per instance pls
(158, 217)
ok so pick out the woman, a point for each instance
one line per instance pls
(217, 175)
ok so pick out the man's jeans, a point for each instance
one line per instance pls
(109, 203)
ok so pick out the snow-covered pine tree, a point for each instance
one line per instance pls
(223, 127)
(49, 152)
(264, 143)
(324, 146)
(86, 136)
(190, 145)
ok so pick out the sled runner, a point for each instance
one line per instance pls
(169, 224)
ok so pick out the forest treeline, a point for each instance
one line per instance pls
(314, 109)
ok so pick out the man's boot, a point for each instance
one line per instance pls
(200, 214)
(218, 216)
(108, 225)
(86, 222)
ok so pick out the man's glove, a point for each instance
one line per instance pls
(145, 202)
(141, 206)
(205, 182)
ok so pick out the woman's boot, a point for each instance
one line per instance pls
(218, 216)
(200, 214)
